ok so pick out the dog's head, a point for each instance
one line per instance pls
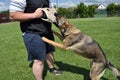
(49, 14)
(61, 22)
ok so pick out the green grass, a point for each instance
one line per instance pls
(13, 55)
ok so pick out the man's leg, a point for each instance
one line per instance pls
(50, 62)
(37, 69)
(36, 49)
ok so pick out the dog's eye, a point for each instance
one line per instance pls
(48, 9)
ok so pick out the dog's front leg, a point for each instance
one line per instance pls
(58, 35)
(59, 45)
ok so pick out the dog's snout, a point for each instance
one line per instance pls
(56, 14)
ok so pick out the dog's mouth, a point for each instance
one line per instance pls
(58, 22)
(57, 18)
(56, 14)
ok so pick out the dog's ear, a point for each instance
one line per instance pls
(66, 23)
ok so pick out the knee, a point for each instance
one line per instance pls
(38, 62)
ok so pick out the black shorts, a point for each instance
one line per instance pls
(36, 48)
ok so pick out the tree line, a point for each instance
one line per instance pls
(83, 11)
(5, 12)
(113, 10)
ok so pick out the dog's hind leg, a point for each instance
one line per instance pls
(97, 70)
(114, 70)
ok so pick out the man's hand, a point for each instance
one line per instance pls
(38, 13)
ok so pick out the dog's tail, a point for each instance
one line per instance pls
(114, 70)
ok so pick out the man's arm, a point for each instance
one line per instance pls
(21, 16)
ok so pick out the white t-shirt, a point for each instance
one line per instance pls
(17, 5)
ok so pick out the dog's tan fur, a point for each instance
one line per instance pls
(83, 45)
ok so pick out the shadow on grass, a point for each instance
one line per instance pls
(73, 69)
(70, 68)
(45, 70)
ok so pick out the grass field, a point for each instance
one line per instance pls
(13, 55)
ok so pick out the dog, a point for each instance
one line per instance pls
(83, 45)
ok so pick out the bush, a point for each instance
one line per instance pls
(113, 10)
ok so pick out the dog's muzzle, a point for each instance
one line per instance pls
(56, 15)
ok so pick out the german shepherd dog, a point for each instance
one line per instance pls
(82, 44)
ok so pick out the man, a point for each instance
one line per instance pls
(29, 13)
